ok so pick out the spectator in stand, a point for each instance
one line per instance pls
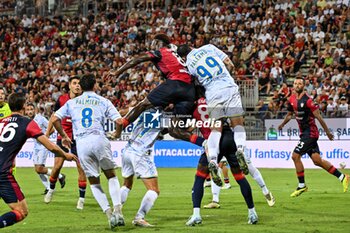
(284, 92)
(288, 64)
(300, 59)
(331, 108)
(318, 37)
(264, 84)
(343, 108)
(38, 51)
(276, 74)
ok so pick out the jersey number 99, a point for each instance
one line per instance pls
(86, 120)
(211, 63)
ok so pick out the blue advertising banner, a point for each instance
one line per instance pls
(176, 154)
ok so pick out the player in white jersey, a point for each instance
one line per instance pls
(88, 113)
(137, 161)
(208, 65)
(40, 152)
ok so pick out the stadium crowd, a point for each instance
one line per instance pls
(268, 41)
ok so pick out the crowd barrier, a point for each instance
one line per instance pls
(271, 154)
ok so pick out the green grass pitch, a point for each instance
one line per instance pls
(324, 208)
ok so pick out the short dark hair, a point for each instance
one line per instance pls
(162, 37)
(30, 104)
(87, 82)
(16, 101)
(300, 79)
(73, 77)
(183, 50)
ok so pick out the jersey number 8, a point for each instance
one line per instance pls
(86, 120)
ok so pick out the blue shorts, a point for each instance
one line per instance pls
(73, 148)
(179, 93)
(227, 149)
(10, 191)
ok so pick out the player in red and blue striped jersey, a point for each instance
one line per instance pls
(14, 132)
(305, 111)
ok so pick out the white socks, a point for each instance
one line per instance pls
(100, 196)
(213, 145)
(251, 211)
(215, 190)
(45, 180)
(114, 190)
(49, 173)
(255, 173)
(197, 212)
(240, 136)
(124, 192)
(147, 203)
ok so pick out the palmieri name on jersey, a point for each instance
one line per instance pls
(196, 58)
(90, 101)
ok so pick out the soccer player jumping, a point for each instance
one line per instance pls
(177, 89)
(306, 111)
(208, 65)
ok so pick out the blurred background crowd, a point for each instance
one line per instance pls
(270, 43)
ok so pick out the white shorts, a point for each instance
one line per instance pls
(225, 102)
(40, 156)
(95, 153)
(139, 164)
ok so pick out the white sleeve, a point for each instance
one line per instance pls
(219, 53)
(63, 111)
(45, 122)
(112, 113)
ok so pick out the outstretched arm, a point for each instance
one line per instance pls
(142, 58)
(55, 149)
(56, 122)
(229, 64)
(50, 129)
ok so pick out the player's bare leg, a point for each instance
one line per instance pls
(44, 174)
(185, 135)
(299, 167)
(55, 174)
(19, 211)
(126, 188)
(326, 165)
(147, 202)
(132, 115)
